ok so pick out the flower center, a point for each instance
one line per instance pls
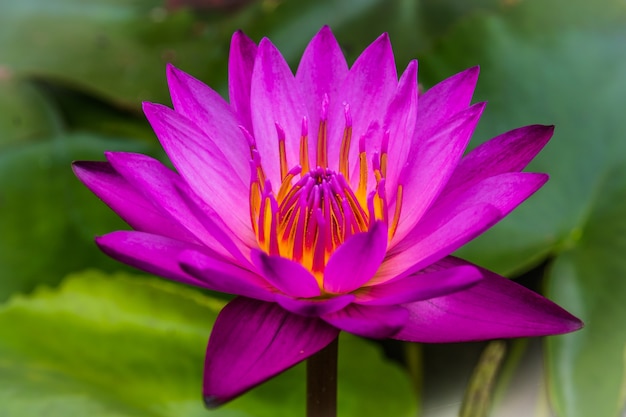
(315, 209)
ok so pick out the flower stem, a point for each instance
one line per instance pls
(321, 382)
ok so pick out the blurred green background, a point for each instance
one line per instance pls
(82, 335)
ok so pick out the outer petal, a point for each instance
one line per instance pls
(377, 322)
(154, 254)
(127, 202)
(208, 110)
(437, 241)
(509, 152)
(368, 90)
(223, 276)
(321, 72)
(204, 167)
(444, 100)
(288, 276)
(400, 123)
(240, 65)
(252, 341)
(166, 189)
(314, 307)
(431, 164)
(494, 308)
(275, 98)
(419, 286)
(356, 261)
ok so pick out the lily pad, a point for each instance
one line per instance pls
(562, 63)
(129, 345)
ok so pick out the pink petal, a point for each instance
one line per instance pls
(504, 191)
(127, 202)
(400, 123)
(225, 277)
(444, 100)
(203, 166)
(314, 307)
(154, 254)
(356, 261)
(435, 241)
(321, 72)
(377, 322)
(253, 341)
(208, 110)
(431, 164)
(494, 308)
(368, 89)
(166, 189)
(509, 152)
(240, 65)
(419, 286)
(288, 276)
(275, 98)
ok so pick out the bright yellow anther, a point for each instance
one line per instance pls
(322, 146)
(344, 162)
(396, 213)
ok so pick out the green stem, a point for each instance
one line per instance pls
(321, 382)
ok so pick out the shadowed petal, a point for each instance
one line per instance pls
(377, 322)
(509, 152)
(444, 100)
(437, 241)
(314, 307)
(208, 110)
(275, 98)
(419, 286)
(204, 167)
(224, 276)
(127, 202)
(494, 308)
(252, 341)
(431, 164)
(240, 65)
(288, 276)
(368, 90)
(154, 254)
(321, 72)
(356, 261)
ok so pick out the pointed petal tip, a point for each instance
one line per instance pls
(212, 402)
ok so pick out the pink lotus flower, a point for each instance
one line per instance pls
(326, 201)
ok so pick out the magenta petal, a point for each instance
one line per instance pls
(154, 254)
(225, 277)
(400, 123)
(356, 261)
(204, 167)
(377, 322)
(253, 341)
(314, 307)
(436, 241)
(127, 202)
(240, 65)
(208, 110)
(419, 286)
(494, 308)
(368, 89)
(444, 100)
(508, 152)
(431, 164)
(321, 72)
(288, 276)
(275, 99)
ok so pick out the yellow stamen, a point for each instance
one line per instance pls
(396, 213)
(344, 163)
(322, 146)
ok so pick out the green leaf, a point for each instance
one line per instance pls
(25, 113)
(127, 345)
(560, 62)
(47, 217)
